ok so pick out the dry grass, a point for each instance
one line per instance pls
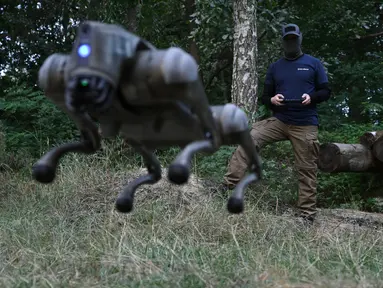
(68, 235)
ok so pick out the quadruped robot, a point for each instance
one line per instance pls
(152, 97)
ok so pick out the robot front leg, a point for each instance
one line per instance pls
(179, 170)
(235, 203)
(124, 202)
(44, 171)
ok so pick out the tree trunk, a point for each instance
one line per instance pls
(189, 10)
(335, 157)
(131, 18)
(369, 138)
(354, 104)
(65, 24)
(93, 10)
(245, 78)
(193, 48)
(377, 149)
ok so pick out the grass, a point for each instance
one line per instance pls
(68, 235)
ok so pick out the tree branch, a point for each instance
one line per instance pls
(220, 65)
(369, 36)
(262, 36)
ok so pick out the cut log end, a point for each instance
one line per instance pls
(369, 138)
(329, 157)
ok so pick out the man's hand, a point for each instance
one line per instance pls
(307, 99)
(277, 100)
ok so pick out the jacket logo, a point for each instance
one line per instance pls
(304, 69)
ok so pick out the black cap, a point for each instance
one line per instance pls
(291, 29)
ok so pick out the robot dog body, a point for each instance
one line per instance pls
(152, 97)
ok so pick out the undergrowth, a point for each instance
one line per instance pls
(68, 234)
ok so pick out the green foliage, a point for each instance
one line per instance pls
(214, 166)
(213, 34)
(213, 20)
(347, 133)
(30, 120)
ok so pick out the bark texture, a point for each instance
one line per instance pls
(337, 157)
(245, 78)
(131, 18)
(193, 48)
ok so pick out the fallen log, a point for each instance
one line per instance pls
(377, 149)
(369, 138)
(337, 157)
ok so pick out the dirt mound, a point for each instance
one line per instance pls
(334, 220)
(194, 192)
(197, 192)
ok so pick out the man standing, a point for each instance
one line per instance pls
(300, 77)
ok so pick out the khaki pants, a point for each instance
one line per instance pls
(304, 140)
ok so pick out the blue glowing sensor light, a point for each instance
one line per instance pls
(83, 50)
